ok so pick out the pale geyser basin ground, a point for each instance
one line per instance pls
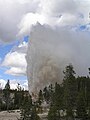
(12, 115)
(15, 115)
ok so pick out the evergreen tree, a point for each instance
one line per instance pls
(46, 94)
(53, 113)
(40, 97)
(58, 96)
(70, 89)
(34, 115)
(18, 98)
(0, 104)
(73, 96)
(83, 98)
(88, 95)
(81, 106)
(39, 102)
(6, 92)
(28, 110)
(51, 92)
(56, 103)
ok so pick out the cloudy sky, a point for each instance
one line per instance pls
(16, 20)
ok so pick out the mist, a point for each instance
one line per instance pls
(50, 50)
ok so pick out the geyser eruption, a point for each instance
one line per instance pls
(48, 53)
(44, 64)
(50, 50)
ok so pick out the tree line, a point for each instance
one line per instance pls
(12, 99)
(69, 100)
(72, 97)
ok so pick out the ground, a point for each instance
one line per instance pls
(12, 115)
(15, 114)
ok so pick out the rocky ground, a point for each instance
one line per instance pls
(43, 116)
(15, 115)
(12, 115)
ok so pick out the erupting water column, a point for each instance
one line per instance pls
(50, 50)
(44, 58)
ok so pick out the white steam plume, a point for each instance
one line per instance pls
(50, 50)
(58, 39)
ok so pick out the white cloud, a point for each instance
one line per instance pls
(11, 13)
(0, 60)
(56, 13)
(28, 20)
(2, 83)
(17, 71)
(14, 84)
(17, 17)
(25, 85)
(16, 61)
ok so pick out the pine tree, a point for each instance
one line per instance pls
(53, 113)
(6, 92)
(0, 104)
(70, 89)
(58, 96)
(28, 110)
(18, 98)
(46, 94)
(39, 101)
(88, 95)
(51, 92)
(56, 103)
(34, 115)
(82, 97)
(40, 97)
(81, 106)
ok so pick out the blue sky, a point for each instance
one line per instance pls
(17, 19)
(4, 50)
